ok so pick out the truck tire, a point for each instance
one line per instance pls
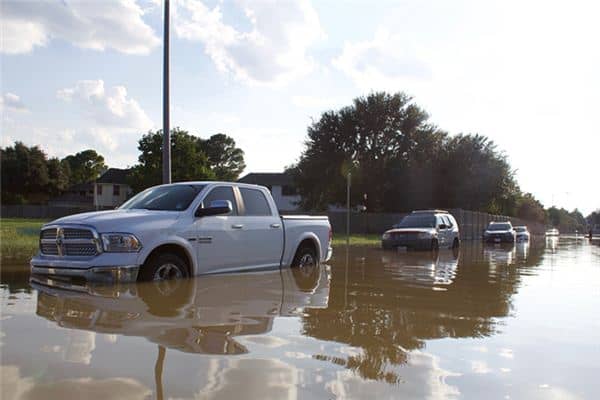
(306, 256)
(163, 267)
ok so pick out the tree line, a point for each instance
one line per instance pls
(30, 177)
(400, 161)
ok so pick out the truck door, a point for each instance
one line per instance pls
(220, 240)
(262, 230)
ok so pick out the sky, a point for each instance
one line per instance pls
(88, 74)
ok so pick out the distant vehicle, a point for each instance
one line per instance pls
(180, 230)
(423, 230)
(552, 232)
(522, 233)
(500, 232)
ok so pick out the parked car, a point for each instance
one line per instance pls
(552, 232)
(423, 230)
(500, 232)
(179, 230)
(522, 233)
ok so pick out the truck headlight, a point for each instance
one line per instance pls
(120, 243)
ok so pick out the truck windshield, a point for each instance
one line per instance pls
(164, 198)
(417, 221)
(499, 227)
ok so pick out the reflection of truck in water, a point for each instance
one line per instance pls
(181, 230)
(434, 270)
(201, 315)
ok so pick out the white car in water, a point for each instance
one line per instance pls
(180, 230)
(523, 234)
(423, 230)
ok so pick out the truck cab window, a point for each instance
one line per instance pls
(255, 202)
(221, 193)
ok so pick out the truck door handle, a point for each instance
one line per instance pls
(275, 226)
(237, 226)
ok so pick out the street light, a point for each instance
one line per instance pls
(166, 164)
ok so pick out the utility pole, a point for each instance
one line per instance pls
(166, 130)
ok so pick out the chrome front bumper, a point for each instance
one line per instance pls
(105, 274)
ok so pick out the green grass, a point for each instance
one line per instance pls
(357, 240)
(19, 237)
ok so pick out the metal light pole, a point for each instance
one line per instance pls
(166, 132)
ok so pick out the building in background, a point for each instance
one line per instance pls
(111, 189)
(281, 186)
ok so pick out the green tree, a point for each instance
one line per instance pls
(400, 161)
(24, 174)
(85, 166)
(530, 209)
(377, 137)
(226, 160)
(188, 160)
(59, 174)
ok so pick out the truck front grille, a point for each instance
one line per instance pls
(69, 241)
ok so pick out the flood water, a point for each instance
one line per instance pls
(488, 322)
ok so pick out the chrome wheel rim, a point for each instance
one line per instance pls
(166, 272)
(307, 260)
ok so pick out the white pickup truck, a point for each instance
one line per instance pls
(180, 230)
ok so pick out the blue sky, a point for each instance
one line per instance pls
(87, 74)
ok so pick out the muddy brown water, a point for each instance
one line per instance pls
(487, 322)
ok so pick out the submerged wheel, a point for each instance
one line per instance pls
(306, 256)
(163, 267)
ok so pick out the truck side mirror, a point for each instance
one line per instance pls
(442, 226)
(217, 207)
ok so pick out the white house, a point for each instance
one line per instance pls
(111, 189)
(281, 186)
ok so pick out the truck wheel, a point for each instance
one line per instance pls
(163, 267)
(306, 256)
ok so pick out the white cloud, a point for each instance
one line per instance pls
(96, 25)
(11, 102)
(320, 102)
(387, 59)
(273, 51)
(108, 107)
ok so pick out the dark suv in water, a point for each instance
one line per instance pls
(423, 230)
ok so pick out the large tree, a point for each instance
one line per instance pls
(474, 175)
(24, 173)
(188, 161)
(400, 161)
(378, 138)
(85, 166)
(226, 160)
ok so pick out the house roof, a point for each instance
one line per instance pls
(114, 175)
(268, 178)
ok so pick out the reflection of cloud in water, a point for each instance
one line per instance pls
(16, 387)
(251, 379)
(80, 346)
(425, 380)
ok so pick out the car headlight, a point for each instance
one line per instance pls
(385, 236)
(120, 243)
